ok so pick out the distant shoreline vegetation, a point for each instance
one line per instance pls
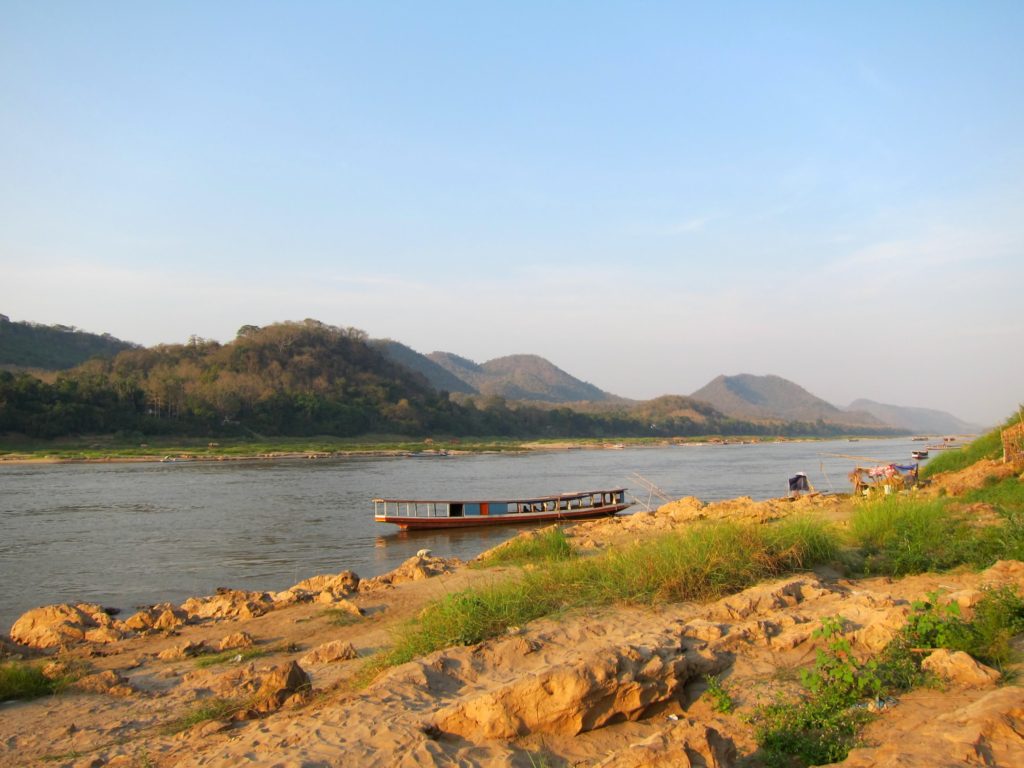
(106, 448)
(306, 379)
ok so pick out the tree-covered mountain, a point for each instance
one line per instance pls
(307, 378)
(746, 396)
(520, 377)
(52, 347)
(439, 377)
(922, 420)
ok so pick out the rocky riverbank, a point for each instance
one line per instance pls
(261, 679)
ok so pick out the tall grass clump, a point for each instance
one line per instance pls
(708, 561)
(988, 446)
(1006, 495)
(19, 680)
(469, 617)
(701, 563)
(900, 536)
(548, 545)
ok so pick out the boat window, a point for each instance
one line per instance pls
(455, 510)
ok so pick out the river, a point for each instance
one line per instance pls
(125, 535)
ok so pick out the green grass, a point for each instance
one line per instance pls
(700, 563)
(21, 680)
(25, 679)
(339, 617)
(988, 446)
(1006, 495)
(230, 655)
(548, 545)
(208, 709)
(898, 535)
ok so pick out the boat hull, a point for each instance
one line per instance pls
(519, 518)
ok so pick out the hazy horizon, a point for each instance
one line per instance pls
(648, 196)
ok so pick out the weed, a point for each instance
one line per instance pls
(721, 700)
(209, 709)
(339, 617)
(235, 655)
(21, 680)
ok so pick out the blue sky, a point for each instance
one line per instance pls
(647, 194)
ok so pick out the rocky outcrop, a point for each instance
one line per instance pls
(570, 698)
(235, 640)
(280, 685)
(52, 626)
(110, 683)
(158, 618)
(988, 730)
(686, 744)
(187, 650)
(415, 568)
(228, 604)
(336, 650)
(959, 668)
(341, 584)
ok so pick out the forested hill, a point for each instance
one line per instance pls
(289, 378)
(746, 396)
(307, 378)
(52, 347)
(521, 377)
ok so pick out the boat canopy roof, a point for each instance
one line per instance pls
(523, 500)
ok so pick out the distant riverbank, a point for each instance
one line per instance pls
(99, 450)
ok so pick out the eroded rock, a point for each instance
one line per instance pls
(413, 569)
(959, 668)
(236, 640)
(336, 650)
(227, 604)
(280, 685)
(54, 625)
(571, 697)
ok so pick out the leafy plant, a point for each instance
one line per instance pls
(721, 699)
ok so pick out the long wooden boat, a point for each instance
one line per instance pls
(431, 513)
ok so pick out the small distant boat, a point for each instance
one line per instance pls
(416, 514)
(919, 454)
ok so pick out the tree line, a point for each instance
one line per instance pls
(302, 379)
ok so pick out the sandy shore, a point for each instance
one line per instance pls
(619, 686)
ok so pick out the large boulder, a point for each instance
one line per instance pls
(228, 604)
(55, 625)
(415, 568)
(960, 669)
(570, 698)
(685, 744)
(280, 685)
(340, 584)
(336, 650)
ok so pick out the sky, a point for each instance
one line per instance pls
(648, 194)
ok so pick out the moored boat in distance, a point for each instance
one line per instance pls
(416, 514)
(919, 454)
